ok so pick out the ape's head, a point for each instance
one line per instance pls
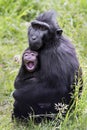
(43, 30)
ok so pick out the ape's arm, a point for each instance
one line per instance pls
(36, 93)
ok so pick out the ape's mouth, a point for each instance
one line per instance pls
(30, 66)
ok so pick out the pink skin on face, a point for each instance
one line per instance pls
(30, 60)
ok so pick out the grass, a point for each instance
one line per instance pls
(14, 19)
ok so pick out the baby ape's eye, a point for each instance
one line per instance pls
(26, 54)
(32, 54)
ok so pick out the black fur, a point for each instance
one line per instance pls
(56, 73)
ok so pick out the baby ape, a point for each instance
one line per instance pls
(56, 75)
(29, 68)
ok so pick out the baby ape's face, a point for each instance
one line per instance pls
(30, 60)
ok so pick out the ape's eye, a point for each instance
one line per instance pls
(35, 26)
(43, 28)
(40, 27)
(26, 54)
(32, 54)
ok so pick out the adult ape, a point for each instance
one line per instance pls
(58, 72)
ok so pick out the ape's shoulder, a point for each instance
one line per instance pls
(66, 47)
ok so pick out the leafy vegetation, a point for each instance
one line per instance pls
(15, 16)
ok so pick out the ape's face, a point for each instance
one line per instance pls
(30, 60)
(38, 32)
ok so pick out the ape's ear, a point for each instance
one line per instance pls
(59, 31)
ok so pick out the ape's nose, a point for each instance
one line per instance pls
(33, 37)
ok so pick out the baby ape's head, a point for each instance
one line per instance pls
(30, 60)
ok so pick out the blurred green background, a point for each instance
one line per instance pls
(15, 16)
